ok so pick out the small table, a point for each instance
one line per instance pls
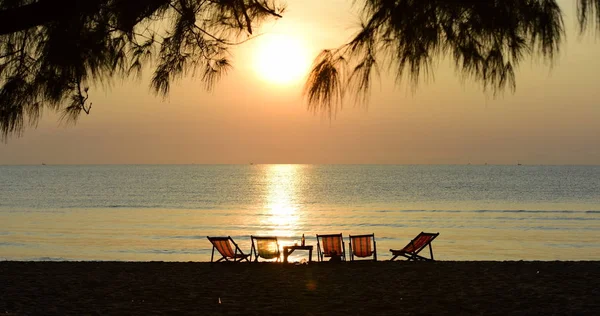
(287, 250)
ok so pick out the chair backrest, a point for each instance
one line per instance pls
(266, 247)
(223, 246)
(331, 243)
(362, 245)
(419, 242)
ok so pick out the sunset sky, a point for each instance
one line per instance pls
(552, 118)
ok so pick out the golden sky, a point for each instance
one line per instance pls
(552, 118)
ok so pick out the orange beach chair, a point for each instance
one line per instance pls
(330, 245)
(224, 247)
(411, 251)
(363, 246)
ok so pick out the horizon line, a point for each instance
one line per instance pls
(323, 164)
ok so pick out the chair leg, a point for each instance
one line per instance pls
(416, 257)
(431, 252)
(319, 255)
(374, 249)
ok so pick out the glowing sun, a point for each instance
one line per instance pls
(281, 59)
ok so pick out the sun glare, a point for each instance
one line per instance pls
(282, 182)
(281, 59)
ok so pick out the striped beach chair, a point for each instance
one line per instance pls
(331, 246)
(225, 246)
(411, 251)
(363, 246)
(266, 247)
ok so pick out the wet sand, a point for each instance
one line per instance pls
(358, 288)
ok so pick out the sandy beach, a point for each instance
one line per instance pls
(498, 288)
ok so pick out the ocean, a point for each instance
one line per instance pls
(165, 212)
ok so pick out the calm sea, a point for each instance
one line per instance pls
(165, 212)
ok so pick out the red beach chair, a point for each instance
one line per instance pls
(331, 245)
(363, 246)
(223, 246)
(411, 251)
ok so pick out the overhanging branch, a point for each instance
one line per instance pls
(42, 12)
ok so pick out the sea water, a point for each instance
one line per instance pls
(165, 212)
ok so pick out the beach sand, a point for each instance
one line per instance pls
(355, 288)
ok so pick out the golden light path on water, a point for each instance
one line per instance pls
(282, 183)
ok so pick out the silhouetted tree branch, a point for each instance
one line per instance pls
(487, 40)
(16, 16)
(51, 51)
(588, 12)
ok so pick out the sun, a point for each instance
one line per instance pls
(281, 59)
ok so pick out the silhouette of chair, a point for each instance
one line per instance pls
(363, 246)
(411, 251)
(331, 246)
(266, 247)
(227, 251)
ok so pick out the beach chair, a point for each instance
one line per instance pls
(331, 245)
(411, 251)
(363, 246)
(227, 251)
(266, 247)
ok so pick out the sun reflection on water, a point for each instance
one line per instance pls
(282, 183)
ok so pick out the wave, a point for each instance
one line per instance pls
(491, 211)
(132, 206)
